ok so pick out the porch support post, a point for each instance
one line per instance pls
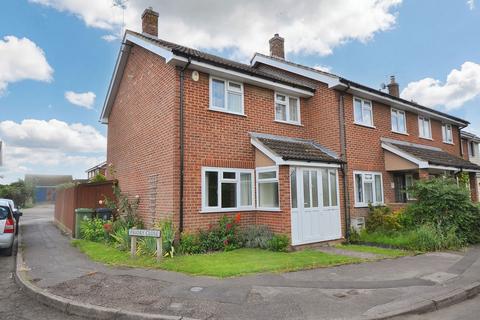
(423, 174)
(473, 186)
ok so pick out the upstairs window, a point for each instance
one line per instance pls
(363, 112)
(368, 188)
(399, 123)
(447, 133)
(424, 127)
(472, 146)
(287, 109)
(226, 96)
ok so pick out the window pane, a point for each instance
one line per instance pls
(333, 187)
(293, 187)
(268, 194)
(245, 189)
(378, 188)
(281, 112)
(293, 104)
(267, 175)
(401, 122)
(229, 195)
(394, 121)
(326, 199)
(314, 189)
(367, 113)
(218, 93)
(368, 186)
(358, 110)
(306, 190)
(211, 188)
(359, 185)
(234, 86)
(281, 98)
(229, 175)
(235, 102)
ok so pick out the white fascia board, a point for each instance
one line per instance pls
(420, 163)
(311, 164)
(400, 105)
(330, 80)
(155, 48)
(244, 78)
(444, 168)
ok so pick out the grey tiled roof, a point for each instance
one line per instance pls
(222, 62)
(297, 149)
(437, 157)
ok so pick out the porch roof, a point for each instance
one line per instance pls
(428, 157)
(286, 149)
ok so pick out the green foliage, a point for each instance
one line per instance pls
(190, 244)
(147, 246)
(445, 205)
(121, 238)
(20, 192)
(382, 218)
(279, 243)
(66, 185)
(98, 178)
(255, 236)
(168, 237)
(223, 236)
(93, 230)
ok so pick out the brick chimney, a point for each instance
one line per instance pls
(393, 87)
(150, 22)
(277, 47)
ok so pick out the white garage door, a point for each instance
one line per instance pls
(315, 205)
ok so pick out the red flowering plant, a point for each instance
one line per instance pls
(229, 230)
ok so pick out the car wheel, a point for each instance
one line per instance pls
(8, 251)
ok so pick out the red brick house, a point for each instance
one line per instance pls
(303, 151)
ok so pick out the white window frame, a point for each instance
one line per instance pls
(320, 180)
(355, 116)
(286, 103)
(408, 194)
(445, 128)
(269, 180)
(421, 121)
(237, 180)
(365, 204)
(226, 91)
(398, 112)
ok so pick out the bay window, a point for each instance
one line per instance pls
(399, 124)
(363, 112)
(226, 96)
(368, 188)
(287, 108)
(267, 188)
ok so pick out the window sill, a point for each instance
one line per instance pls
(366, 205)
(426, 138)
(450, 143)
(290, 123)
(268, 209)
(226, 111)
(402, 133)
(365, 125)
(226, 210)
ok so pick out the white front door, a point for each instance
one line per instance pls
(315, 205)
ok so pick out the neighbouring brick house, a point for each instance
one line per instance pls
(100, 168)
(197, 136)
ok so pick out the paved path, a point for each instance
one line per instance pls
(14, 303)
(342, 292)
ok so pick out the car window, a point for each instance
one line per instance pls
(4, 211)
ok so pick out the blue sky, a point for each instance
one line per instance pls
(421, 42)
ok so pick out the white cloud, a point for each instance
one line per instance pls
(471, 4)
(461, 86)
(22, 59)
(86, 99)
(309, 26)
(109, 37)
(322, 68)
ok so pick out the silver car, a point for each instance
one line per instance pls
(7, 227)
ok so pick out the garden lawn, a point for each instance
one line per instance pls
(218, 264)
(390, 253)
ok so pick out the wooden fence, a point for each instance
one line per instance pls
(85, 195)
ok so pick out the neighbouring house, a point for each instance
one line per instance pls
(44, 186)
(100, 168)
(303, 151)
(471, 151)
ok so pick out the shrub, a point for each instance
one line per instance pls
(190, 244)
(381, 218)
(223, 236)
(279, 242)
(93, 230)
(98, 178)
(255, 237)
(147, 246)
(121, 238)
(168, 237)
(430, 238)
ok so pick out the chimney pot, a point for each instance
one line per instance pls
(150, 22)
(393, 87)
(277, 47)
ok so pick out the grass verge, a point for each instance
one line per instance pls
(218, 264)
(385, 252)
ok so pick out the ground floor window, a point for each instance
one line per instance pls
(267, 188)
(368, 188)
(227, 189)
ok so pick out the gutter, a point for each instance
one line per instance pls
(343, 156)
(182, 143)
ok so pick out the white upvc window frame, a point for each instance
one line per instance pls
(409, 194)
(363, 204)
(421, 121)
(286, 103)
(227, 90)
(397, 113)
(237, 181)
(445, 128)
(359, 119)
(258, 181)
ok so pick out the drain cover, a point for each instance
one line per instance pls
(196, 289)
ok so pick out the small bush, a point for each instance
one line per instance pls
(279, 243)
(190, 244)
(223, 236)
(168, 237)
(255, 237)
(381, 218)
(98, 178)
(430, 238)
(147, 246)
(121, 238)
(93, 230)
